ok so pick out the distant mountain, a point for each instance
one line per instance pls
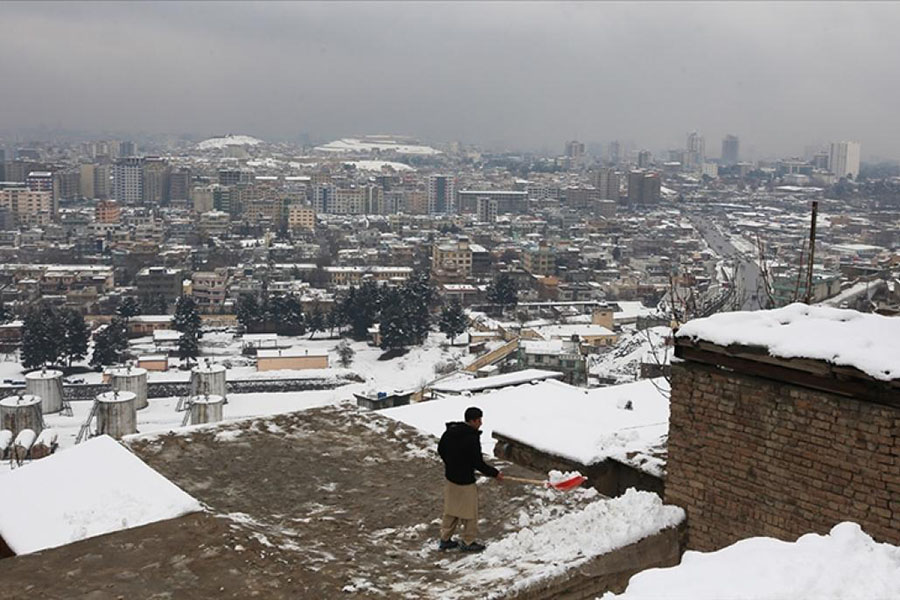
(228, 140)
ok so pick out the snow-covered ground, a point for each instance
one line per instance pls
(379, 165)
(584, 425)
(228, 140)
(622, 363)
(844, 564)
(353, 145)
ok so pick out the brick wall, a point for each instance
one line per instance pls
(750, 456)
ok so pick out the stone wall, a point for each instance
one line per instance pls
(755, 456)
(609, 477)
(610, 572)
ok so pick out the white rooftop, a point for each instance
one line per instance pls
(868, 342)
(94, 488)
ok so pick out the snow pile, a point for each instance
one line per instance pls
(622, 362)
(559, 545)
(586, 426)
(846, 563)
(557, 477)
(218, 143)
(870, 343)
(95, 488)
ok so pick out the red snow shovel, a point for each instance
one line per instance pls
(563, 486)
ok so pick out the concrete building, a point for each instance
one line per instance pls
(606, 181)
(128, 180)
(180, 187)
(644, 159)
(86, 176)
(291, 358)
(152, 282)
(695, 154)
(508, 201)
(28, 207)
(209, 289)
(441, 194)
(154, 181)
(301, 217)
(452, 258)
(843, 159)
(730, 151)
(643, 187)
(107, 211)
(487, 209)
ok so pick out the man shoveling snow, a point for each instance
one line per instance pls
(460, 449)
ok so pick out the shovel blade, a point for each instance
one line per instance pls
(569, 484)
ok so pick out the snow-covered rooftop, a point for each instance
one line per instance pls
(870, 343)
(485, 383)
(94, 488)
(583, 425)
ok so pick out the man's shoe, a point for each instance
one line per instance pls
(448, 544)
(473, 547)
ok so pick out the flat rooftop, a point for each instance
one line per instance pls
(323, 503)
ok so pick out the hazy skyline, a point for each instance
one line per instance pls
(520, 75)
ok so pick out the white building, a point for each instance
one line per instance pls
(843, 160)
(441, 194)
(128, 180)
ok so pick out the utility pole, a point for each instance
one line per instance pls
(812, 251)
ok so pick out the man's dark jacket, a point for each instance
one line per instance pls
(460, 449)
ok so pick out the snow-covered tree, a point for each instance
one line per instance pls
(453, 320)
(186, 317)
(345, 353)
(75, 343)
(503, 292)
(110, 344)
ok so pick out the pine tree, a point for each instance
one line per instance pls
(249, 312)
(187, 317)
(453, 320)
(316, 320)
(76, 337)
(6, 315)
(128, 308)
(345, 353)
(43, 335)
(189, 345)
(395, 326)
(110, 344)
(361, 307)
(503, 292)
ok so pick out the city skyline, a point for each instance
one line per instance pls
(480, 74)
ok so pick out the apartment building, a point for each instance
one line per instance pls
(209, 289)
(301, 217)
(28, 207)
(452, 258)
(152, 282)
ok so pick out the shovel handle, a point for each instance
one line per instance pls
(524, 480)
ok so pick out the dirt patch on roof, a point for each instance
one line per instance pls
(326, 502)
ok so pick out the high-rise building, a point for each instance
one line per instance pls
(643, 187)
(128, 180)
(574, 149)
(487, 209)
(644, 158)
(127, 149)
(696, 151)
(154, 181)
(180, 187)
(615, 152)
(69, 184)
(441, 194)
(86, 175)
(606, 181)
(102, 177)
(730, 151)
(843, 160)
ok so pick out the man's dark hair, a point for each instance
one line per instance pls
(472, 413)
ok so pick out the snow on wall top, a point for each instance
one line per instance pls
(587, 426)
(846, 563)
(870, 343)
(94, 488)
(555, 547)
(228, 140)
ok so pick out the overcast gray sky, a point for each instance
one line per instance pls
(529, 75)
